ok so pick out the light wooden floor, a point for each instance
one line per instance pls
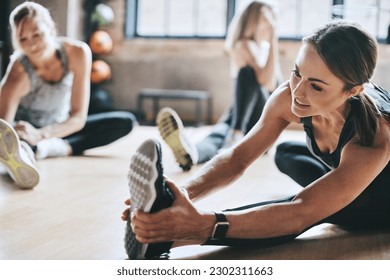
(74, 212)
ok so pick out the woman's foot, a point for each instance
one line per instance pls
(148, 193)
(171, 130)
(17, 157)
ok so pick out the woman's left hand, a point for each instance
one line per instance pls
(28, 133)
(181, 221)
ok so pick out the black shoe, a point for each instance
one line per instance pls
(148, 193)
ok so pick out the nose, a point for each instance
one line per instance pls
(33, 43)
(298, 89)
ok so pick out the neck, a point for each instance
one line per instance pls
(334, 118)
(46, 59)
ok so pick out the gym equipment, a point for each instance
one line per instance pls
(100, 42)
(103, 15)
(100, 100)
(101, 71)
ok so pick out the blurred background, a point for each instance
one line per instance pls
(178, 44)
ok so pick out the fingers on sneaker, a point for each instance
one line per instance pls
(176, 191)
(125, 214)
(150, 221)
(151, 237)
(151, 233)
(128, 201)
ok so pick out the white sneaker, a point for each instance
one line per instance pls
(17, 157)
(52, 147)
(171, 130)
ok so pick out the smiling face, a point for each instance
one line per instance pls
(315, 90)
(34, 38)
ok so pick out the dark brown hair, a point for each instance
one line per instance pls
(350, 52)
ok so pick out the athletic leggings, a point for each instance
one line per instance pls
(249, 101)
(101, 129)
(370, 210)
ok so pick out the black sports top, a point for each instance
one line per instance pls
(332, 160)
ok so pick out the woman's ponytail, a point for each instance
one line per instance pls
(365, 117)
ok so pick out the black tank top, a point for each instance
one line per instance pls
(332, 160)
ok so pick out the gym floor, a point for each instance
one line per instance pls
(74, 212)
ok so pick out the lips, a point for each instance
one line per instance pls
(300, 103)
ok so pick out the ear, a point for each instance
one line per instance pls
(356, 90)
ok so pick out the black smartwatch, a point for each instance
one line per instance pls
(221, 226)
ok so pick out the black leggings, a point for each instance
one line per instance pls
(247, 107)
(250, 99)
(101, 129)
(370, 210)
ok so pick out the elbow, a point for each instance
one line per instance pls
(302, 218)
(82, 122)
(79, 122)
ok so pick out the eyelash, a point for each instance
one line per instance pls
(314, 86)
(295, 72)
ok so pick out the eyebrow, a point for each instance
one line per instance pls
(312, 79)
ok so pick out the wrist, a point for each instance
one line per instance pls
(207, 225)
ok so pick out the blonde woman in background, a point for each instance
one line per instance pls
(44, 98)
(252, 45)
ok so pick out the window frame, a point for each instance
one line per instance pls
(131, 21)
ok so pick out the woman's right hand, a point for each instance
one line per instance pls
(181, 221)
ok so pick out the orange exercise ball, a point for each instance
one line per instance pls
(101, 71)
(100, 42)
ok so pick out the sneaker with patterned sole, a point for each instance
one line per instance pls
(17, 157)
(148, 193)
(171, 130)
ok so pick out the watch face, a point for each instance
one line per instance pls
(220, 230)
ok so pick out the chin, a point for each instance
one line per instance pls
(299, 113)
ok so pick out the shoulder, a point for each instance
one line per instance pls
(78, 52)
(382, 139)
(16, 72)
(377, 154)
(16, 80)
(75, 48)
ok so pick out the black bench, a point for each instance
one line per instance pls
(197, 95)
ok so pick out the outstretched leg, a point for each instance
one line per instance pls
(100, 130)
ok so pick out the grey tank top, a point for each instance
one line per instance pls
(47, 102)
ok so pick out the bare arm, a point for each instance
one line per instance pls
(230, 165)
(322, 198)
(80, 60)
(14, 86)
